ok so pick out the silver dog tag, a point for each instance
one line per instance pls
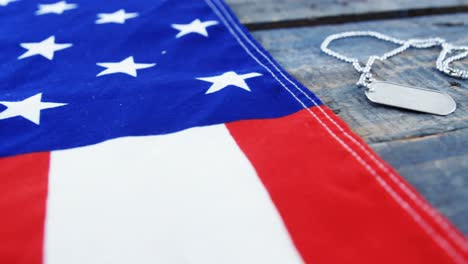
(410, 97)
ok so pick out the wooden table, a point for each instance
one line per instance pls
(430, 151)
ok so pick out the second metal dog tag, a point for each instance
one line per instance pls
(410, 97)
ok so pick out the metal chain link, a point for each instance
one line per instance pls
(442, 63)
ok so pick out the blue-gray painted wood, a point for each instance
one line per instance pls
(259, 11)
(436, 166)
(430, 151)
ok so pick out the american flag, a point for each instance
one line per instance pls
(161, 132)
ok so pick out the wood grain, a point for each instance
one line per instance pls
(430, 151)
(260, 11)
(437, 166)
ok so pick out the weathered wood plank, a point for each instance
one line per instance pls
(334, 81)
(278, 10)
(437, 166)
(410, 141)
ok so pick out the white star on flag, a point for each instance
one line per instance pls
(30, 108)
(118, 17)
(195, 26)
(45, 48)
(228, 78)
(6, 2)
(127, 66)
(56, 8)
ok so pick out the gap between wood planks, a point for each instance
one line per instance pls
(422, 136)
(347, 18)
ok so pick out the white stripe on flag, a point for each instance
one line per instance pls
(188, 197)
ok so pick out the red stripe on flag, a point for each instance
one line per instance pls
(23, 193)
(331, 197)
(430, 220)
